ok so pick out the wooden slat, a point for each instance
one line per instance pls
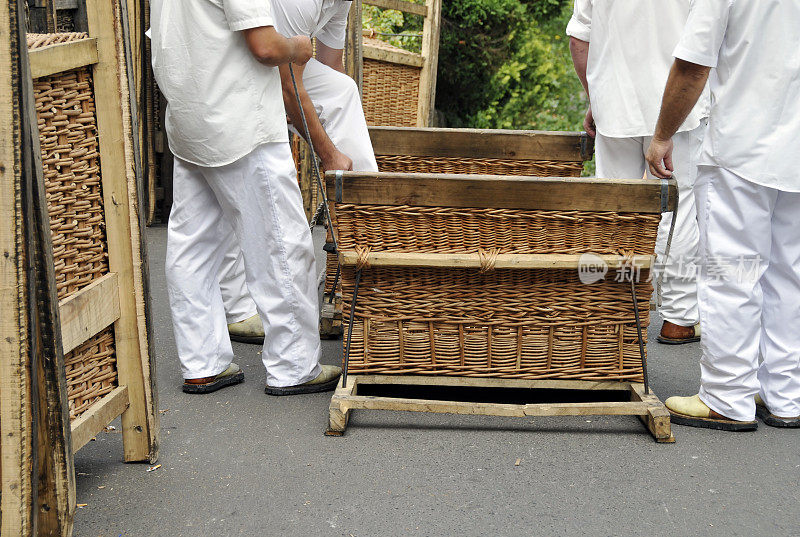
(477, 382)
(503, 261)
(477, 143)
(614, 408)
(399, 5)
(54, 59)
(91, 423)
(89, 311)
(502, 192)
(657, 418)
(393, 56)
(139, 423)
(353, 48)
(430, 53)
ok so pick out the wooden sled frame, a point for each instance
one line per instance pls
(647, 196)
(458, 143)
(650, 410)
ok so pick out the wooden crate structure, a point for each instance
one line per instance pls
(399, 87)
(98, 356)
(478, 276)
(462, 151)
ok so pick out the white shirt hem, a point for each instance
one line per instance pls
(686, 127)
(232, 160)
(766, 183)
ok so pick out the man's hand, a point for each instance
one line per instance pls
(588, 123)
(659, 158)
(337, 161)
(302, 49)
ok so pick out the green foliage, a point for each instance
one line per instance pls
(391, 21)
(503, 64)
(506, 64)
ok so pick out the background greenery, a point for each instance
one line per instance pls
(503, 64)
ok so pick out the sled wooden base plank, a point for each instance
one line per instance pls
(647, 407)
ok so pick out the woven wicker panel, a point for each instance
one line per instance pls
(91, 372)
(529, 324)
(71, 162)
(533, 324)
(479, 166)
(450, 230)
(390, 92)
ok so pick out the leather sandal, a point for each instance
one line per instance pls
(673, 334)
(693, 412)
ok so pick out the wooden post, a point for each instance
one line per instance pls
(139, 421)
(55, 472)
(430, 54)
(16, 417)
(353, 48)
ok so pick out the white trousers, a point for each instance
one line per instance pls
(623, 158)
(255, 202)
(749, 292)
(338, 105)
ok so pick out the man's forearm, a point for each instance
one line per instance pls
(271, 48)
(580, 58)
(323, 145)
(684, 88)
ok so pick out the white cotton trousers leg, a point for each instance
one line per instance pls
(338, 105)
(749, 291)
(624, 158)
(257, 200)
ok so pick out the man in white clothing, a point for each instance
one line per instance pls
(335, 118)
(622, 51)
(748, 203)
(215, 61)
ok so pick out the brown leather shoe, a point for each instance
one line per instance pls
(673, 334)
(229, 377)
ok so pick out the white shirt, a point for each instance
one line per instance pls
(324, 19)
(630, 55)
(755, 115)
(223, 103)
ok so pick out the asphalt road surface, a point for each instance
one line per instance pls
(238, 462)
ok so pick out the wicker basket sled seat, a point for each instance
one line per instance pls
(478, 275)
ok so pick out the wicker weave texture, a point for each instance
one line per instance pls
(478, 166)
(509, 231)
(71, 163)
(91, 372)
(390, 92)
(530, 324)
